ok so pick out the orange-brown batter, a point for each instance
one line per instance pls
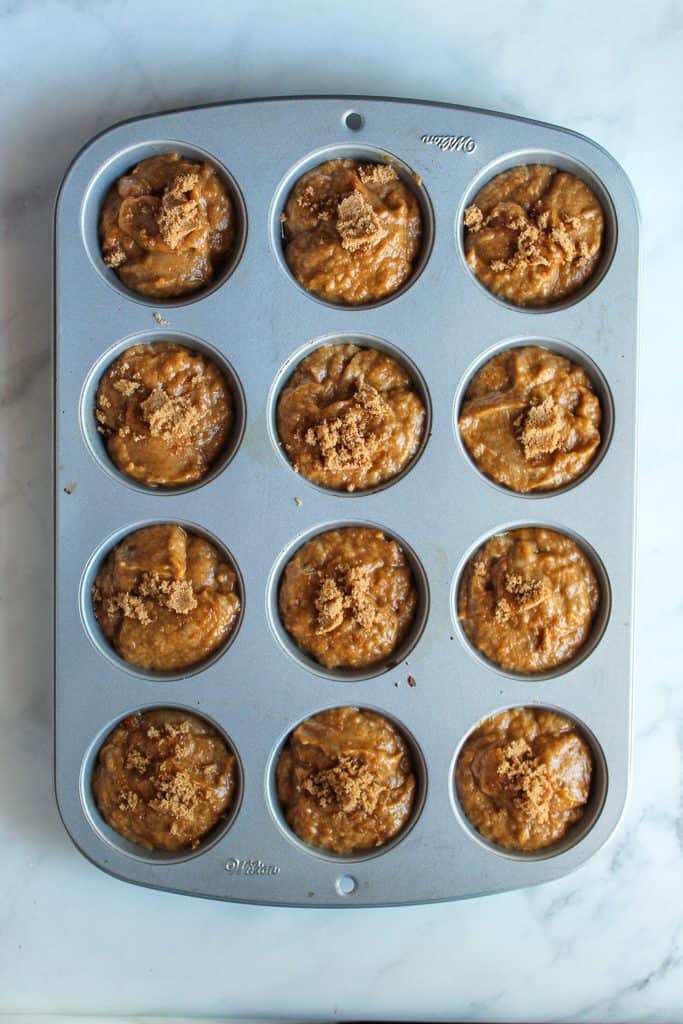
(165, 413)
(530, 419)
(167, 227)
(348, 598)
(349, 418)
(345, 780)
(534, 234)
(352, 231)
(164, 778)
(165, 598)
(523, 777)
(527, 599)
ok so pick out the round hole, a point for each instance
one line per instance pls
(120, 164)
(575, 355)
(362, 341)
(92, 627)
(353, 121)
(345, 885)
(563, 163)
(95, 442)
(575, 833)
(110, 836)
(275, 808)
(364, 154)
(308, 663)
(600, 619)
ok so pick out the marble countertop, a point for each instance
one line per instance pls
(605, 944)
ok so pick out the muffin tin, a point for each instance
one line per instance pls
(257, 322)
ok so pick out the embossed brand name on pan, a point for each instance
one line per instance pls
(450, 143)
(235, 866)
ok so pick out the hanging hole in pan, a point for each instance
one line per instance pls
(353, 120)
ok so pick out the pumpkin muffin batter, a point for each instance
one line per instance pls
(164, 778)
(167, 227)
(351, 231)
(345, 780)
(534, 234)
(348, 598)
(349, 418)
(523, 778)
(531, 420)
(527, 599)
(165, 413)
(165, 599)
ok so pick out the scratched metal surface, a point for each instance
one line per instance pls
(257, 322)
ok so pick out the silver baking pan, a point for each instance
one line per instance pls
(257, 322)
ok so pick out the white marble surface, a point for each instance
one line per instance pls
(603, 945)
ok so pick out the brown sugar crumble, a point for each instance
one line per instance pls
(179, 213)
(543, 429)
(172, 417)
(348, 785)
(357, 222)
(115, 256)
(136, 761)
(348, 592)
(535, 236)
(176, 595)
(521, 594)
(129, 605)
(376, 174)
(520, 772)
(474, 219)
(351, 441)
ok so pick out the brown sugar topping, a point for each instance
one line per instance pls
(176, 791)
(520, 772)
(124, 603)
(348, 785)
(350, 441)
(115, 256)
(520, 595)
(172, 417)
(329, 604)
(179, 213)
(543, 429)
(348, 592)
(376, 174)
(124, 387)
(176, 595)
(474, 219)
(136, 761)
(128, 800)
(535, 236)
(357, 223)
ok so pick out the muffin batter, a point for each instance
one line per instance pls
(165, 413)
(351, 231)
(349, 418)
(527, 599)
(348, 598)
(345, 780)
(523, 778)
(164, 778)
(165, 599)
(166, 227)
(533, 234)
(531, 420)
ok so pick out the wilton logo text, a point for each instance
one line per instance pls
(450, 143)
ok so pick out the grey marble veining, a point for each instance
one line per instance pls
(605, 944)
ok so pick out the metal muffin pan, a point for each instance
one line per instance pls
(259, 322)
